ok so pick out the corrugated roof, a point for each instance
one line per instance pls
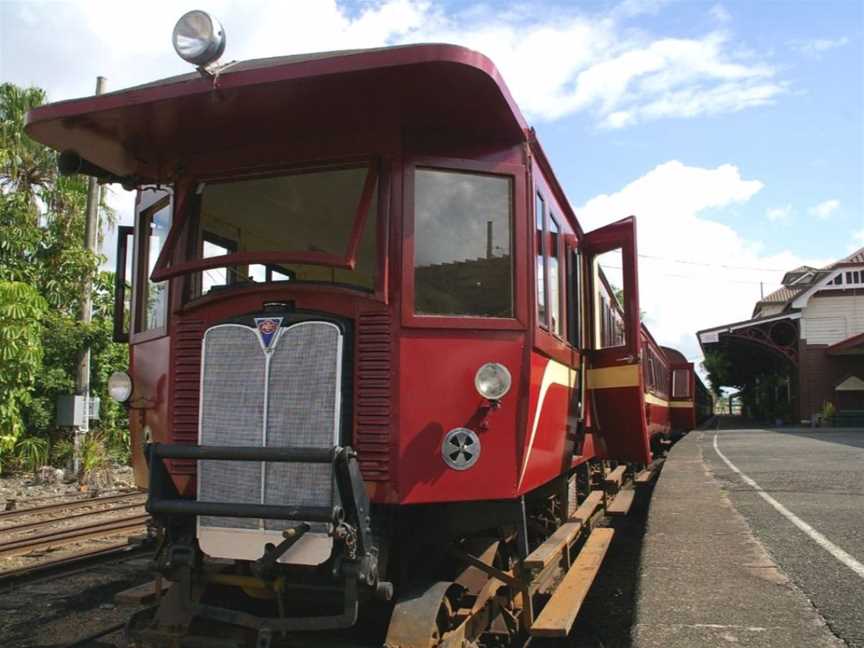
(780, 296)
(855, 257)
(802, 269)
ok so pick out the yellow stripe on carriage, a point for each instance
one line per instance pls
(681, 404)
(651, 399)
(609, 377)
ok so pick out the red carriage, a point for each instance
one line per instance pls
(375, 362)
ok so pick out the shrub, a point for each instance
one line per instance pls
(31, 453)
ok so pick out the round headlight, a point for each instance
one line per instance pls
(120, 386)
(492, 381)
(198, 38)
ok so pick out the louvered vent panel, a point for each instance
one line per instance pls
(186, 351)
(372, 434)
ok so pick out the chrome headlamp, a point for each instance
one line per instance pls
(198, 38)
(492, 381)
(120, 386)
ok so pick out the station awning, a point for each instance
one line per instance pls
(776, 335)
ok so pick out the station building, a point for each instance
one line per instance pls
(804, 346)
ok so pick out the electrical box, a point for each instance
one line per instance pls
(72, 411)
(93, 404)
(76, 411)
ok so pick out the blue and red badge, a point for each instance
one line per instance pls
(267, 327)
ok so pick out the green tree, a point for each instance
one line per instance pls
(718, 366)
(21, 309)
(41, 245)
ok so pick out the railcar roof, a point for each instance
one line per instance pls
(146, 130)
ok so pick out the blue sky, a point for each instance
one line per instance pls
(733, 130)
(807, 146)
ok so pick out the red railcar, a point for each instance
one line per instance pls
(373, 355)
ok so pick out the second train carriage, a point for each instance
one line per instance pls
(375, 362)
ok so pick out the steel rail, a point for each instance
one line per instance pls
(72, 564)
(88, 639)
(80, 503)
(73, 534)
(39, 523)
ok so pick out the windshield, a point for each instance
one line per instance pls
(304, 214)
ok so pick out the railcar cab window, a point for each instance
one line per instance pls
(609, 300)
(153, 301)
(463, 224)
(539, 220)
(312, 213)
(554, 278)
(572, 296)
(548, 237)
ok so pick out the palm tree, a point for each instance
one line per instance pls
(26, 167)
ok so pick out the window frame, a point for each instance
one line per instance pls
(149, 202)
(573, 292)
(122, 328)
(517, 175)
(346, 261)
(547, 250)
(541, 246)
(385, 168)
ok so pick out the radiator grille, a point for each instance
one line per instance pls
(232, 414)
(288, 395)
(303, 405)
(373, 402)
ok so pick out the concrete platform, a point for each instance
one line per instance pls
(704, 579)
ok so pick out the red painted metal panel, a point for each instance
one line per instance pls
(437, 394)
(551, 425)
(618, 412)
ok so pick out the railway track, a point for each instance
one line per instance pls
(77, 532)
(68, 505)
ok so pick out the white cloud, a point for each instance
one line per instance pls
(556, 63)
(779, 213)
(694, 272)
(817, 46)
(824, 209)
(596, 65)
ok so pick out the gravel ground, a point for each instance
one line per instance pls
(21, 492)
(57, 611)
(26, 489)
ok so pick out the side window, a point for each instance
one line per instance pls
(681, 383)
(574, 297)
(539, 211)
(153, 300)
(123, 283)
(554, 276)
(463, 224)
(609, 300)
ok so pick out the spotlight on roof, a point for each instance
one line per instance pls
(199, 38)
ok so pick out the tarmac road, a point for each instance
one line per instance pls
(817, 476)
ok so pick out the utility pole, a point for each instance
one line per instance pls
(91, 228)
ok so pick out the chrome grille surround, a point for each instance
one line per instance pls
(284, 394)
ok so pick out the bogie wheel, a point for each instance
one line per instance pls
(421, 616)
